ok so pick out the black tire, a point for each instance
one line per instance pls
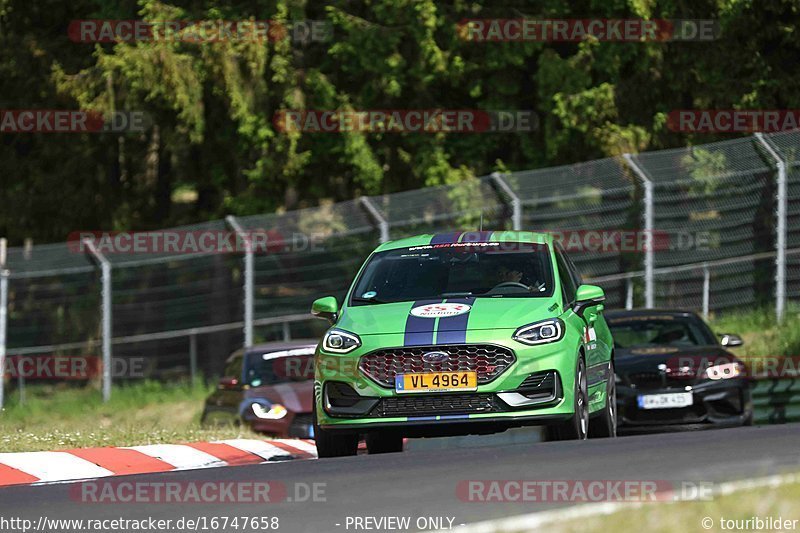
(577, 427)
(384, 443)
(749, 413)
(604, 425)
(333, 443)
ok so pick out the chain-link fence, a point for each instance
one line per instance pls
(721, 227)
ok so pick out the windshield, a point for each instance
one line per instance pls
(491, 269)
(678, 332)
(264, 370)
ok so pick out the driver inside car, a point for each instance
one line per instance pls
(508, 275)
(510, 279)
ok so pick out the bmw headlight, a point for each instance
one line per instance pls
(725, 371)
(339, 341)
(543, 332)
(269, 412)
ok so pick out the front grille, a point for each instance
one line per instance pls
(647, 380)
(656, 380)
(487, 360)
(439, 404)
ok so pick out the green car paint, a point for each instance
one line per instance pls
(490, 320)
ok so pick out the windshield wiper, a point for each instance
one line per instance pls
(455, 294)
(363, 300)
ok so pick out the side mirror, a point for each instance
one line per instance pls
(730, 340)
(588, 296)
(327, 308)
(228, 383)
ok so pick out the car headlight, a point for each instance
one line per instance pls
(543, 332)
(269, 412)
(338, 341)
(725, 371)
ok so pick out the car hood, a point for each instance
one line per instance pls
(633, 360)
(483, 313)
(297, 397)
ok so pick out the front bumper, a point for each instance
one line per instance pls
(722, 402)
(294, 425)
(349, 400)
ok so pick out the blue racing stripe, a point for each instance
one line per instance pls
(453, 329)
(419, 331)
(445, 238)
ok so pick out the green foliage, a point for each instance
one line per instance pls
(212, 104)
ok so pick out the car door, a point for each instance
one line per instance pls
(595, 349)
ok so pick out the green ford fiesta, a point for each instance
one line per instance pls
(463, 333)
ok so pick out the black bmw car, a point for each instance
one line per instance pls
(672, 370)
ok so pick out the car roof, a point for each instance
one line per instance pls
(631, 313)
(468, 236)
(278, 346)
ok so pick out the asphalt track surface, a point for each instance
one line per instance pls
(424, 483)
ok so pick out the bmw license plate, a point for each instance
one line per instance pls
(665, 401)
(436, 382)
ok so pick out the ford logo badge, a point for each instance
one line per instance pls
(435, 357)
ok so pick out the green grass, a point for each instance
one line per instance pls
(687, 516)
(761, 333)
(61, 416)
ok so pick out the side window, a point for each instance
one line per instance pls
(233, 368)
(568, 286)
(573, 270)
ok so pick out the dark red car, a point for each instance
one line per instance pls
(269, 387)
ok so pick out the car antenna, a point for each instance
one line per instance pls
(481, 226)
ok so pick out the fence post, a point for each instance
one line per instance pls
(780, 244)
(21, 383)
(516, 204)
(649, 258)
(383, 224)
(706, 291)
(105, 266)
(629, 293)
(3, 324)
(249, 283)
(193, 357)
